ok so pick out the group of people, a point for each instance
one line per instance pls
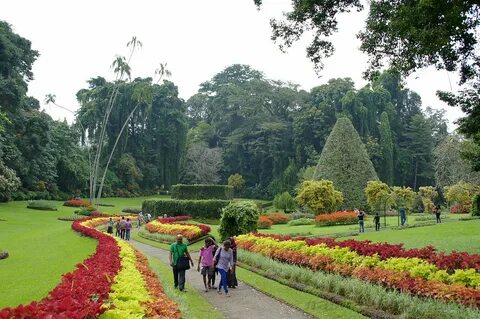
(143, 218)
(123, 227)
(403, 217)
(213, 260)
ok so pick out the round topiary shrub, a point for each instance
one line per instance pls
(238, 218)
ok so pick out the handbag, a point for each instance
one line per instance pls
(183, 263)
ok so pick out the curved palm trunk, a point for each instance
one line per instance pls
(99, 195)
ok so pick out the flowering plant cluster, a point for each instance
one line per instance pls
(77, 203)
(336, 218)
(278, 218)
(169, 226)
(174, 219)
(114, 282)
(407, 274)
(460, 209)
(264, 222)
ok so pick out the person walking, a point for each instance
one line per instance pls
(232, 275)
(179, 258)
(123, 224)
(110, 226)
(437, 212)
(360, 216)
(140, 219)
(224, 263)
(376, 219)
(117, 228)
(128, 229)
(403, 216)
(206, 262)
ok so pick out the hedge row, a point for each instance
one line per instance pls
(176, 207)
(181, 191)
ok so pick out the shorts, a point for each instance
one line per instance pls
(210, 271)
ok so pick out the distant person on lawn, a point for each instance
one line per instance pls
(123, 225)
(117, 228)
(437, 212)
(224, 263)
(376, 219)
(361, 217)
(110, 226)
(206, 262)
(179, 258)
(403, 216)
(128, 229)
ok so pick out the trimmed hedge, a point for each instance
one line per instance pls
(176, 207)
(200, 191)
(41, 205)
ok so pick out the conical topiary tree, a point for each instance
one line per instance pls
(345, 162)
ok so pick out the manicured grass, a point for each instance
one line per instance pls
(459, 236)
(311, 304)
(191, 303)
(41, 249)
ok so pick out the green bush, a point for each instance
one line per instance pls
(302, 221)
(132, 210)
(475, 210)
(238, 218)
(200, 191)
(211, 208)
(417, 205)
(41, 205)
(298, 215)
(284, 201)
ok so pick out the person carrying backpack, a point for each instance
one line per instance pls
(224, 263)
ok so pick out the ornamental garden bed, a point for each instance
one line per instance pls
(166, 229)
(114, 282)
(421, 273)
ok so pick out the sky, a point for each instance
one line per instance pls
(78, 40)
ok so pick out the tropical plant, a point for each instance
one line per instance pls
(237, 182)
(319, 196)
(284, 201)
(428, 195)
(9, 182)
(238, 218)
(379, 195)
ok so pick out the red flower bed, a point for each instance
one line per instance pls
(264, 222)
(336, 218)
(278, 218)
(172, 219)
(81, 293)
(77, 203)
(460, 209)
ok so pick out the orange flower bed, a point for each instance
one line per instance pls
(336, 218)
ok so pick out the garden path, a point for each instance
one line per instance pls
(245, 302)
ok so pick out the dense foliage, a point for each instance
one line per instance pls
(345, 162)
(41, 205)
(239, 124)
(284, 201)
(210, 208)
(319, 196)
(181, 191)
(238, 218)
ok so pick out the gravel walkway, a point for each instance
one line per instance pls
(244, 303)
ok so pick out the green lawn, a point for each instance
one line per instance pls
(41, 249)
(459, 236)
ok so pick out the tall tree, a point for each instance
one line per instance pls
(386, 144)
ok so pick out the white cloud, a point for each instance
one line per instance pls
(79, 40)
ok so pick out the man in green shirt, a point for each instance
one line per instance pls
(178, 250)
